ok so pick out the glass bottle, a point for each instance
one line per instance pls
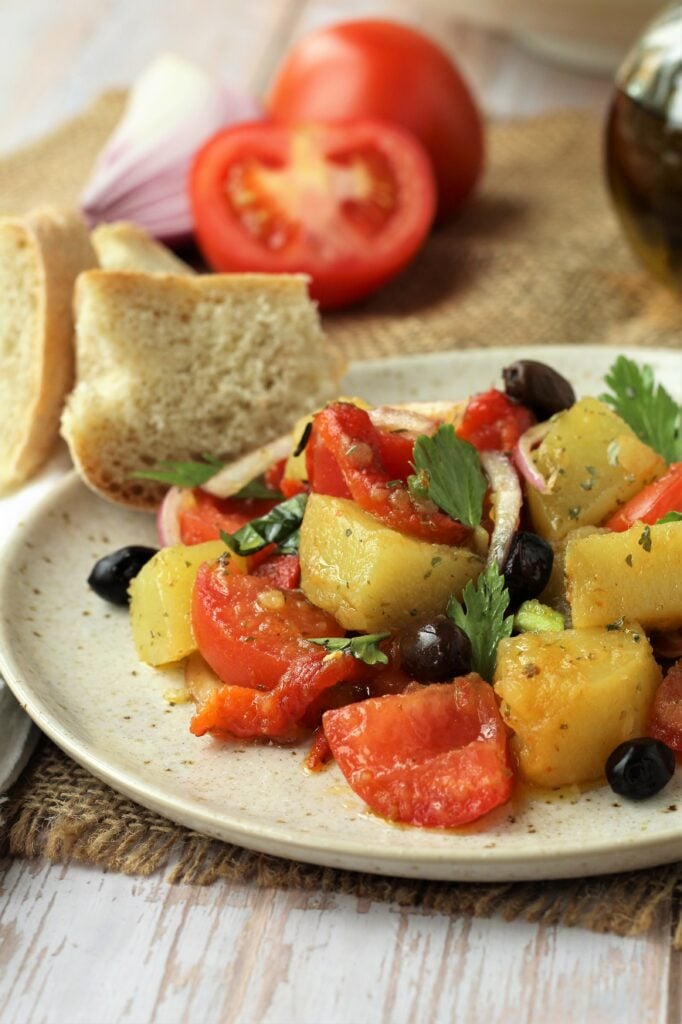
(644, 147)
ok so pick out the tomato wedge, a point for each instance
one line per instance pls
(202, 516)
(249, 632)
(651, 504)
(666, 714)
(436, 756)
(354, 451)
(347, 204)
(492, 422)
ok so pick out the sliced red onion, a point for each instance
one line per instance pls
(141, 174)
(668, 645)
(231, 478)
(407, 420)
(506, 500)
(523, 456)
(168, 516)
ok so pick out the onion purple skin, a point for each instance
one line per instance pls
(523, 457)
(507, 501)
(168, 516)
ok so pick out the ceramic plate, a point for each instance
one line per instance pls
(69, 659)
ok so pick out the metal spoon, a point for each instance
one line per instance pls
(18, 737)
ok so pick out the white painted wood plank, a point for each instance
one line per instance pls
(77, 946)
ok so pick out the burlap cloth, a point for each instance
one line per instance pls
(536, 258)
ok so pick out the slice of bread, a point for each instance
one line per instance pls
(173, 367)
(122, 245)
(41, 255)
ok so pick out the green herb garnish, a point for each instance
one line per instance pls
(183, 474)
(653, 414)
(257, 489)
(670, 517)
(280, 526)
(645, 540)
(448, 471)
(364, 648)
(535, 617)
(482, 617)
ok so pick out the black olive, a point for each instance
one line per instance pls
(538, 386)
(435, 651)
(528, 567)
(111, 576)
(640, 768)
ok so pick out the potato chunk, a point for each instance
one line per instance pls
(636, 574)
(371, 578)
(161, 600)
(572, 697)
(593, 462)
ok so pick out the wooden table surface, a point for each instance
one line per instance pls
(81, 947)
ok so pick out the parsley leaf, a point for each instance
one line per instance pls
(653, 414)
(280, 525)
(257, 489)
(183, 474)
(482, 617)
(449, 473)
(670, 517)
(364, 648)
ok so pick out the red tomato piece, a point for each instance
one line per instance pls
(282, 571)
(276, 714)
(320, 753)
(666, 714)
(492, 422)
(436, 756)
(384, 69)
(291, 487)
(349, 435)
(651, 504)
(274, 474)
(349, 204)
(249, 632)
(203, 516)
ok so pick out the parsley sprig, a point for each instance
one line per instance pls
(183, 474)
(195, 474)
(669, 517)
(448, 471)
(482, 617)
(364, 648)
(281, 526)
(653, 414)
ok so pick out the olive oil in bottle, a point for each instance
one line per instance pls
(644, 148)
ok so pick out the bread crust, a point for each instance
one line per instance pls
(122, 245)
(61, 249)
(259, 352)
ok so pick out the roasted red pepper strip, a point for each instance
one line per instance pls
(492, 422)
(347, 433)
(276, 714)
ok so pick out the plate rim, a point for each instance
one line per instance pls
(493, 865)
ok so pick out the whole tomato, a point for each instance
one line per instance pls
(383, 69)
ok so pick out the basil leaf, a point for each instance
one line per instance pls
(279, 526)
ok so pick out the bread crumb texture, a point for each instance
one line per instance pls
(41, 255)
(173, 367)
(122, 245)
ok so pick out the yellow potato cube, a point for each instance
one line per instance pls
(636, 574)
(371, 578)
(161, 600)
(593, 463)
(572, 697)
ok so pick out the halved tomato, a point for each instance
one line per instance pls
(250, 632)
(492, 422)
(347, 204)
(436, 756)
(651, 504)
(666, 714)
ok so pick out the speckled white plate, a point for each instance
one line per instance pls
(69, 659)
